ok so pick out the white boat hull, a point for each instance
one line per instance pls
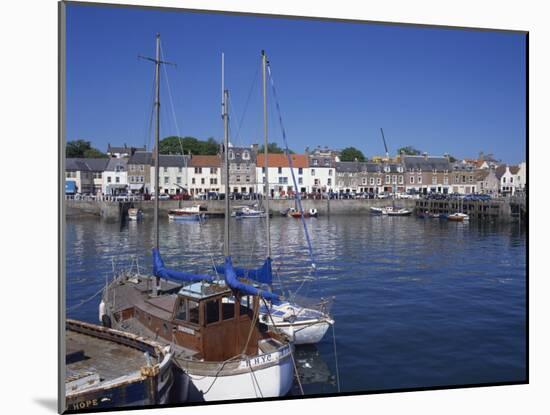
(268, 375)
(304, 333)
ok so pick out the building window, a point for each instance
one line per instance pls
(387, 179)
(471, 179)
(313, 172)
(419, 179)
(300, 180)
(117, 179)
(165, 169)
(434, 179)
(316, 182)
(246, 155)
(198, 170)
(371, 181)
(463, 179)
(394, 179)
(178, 180)
(179, 169)
(330, 172)
(231, 155)
(445, 180)
(315, 162)
(329, 182)
(300, 170)
(364, 181)
(141, 168)
(238, 178)
(213, 170)
(280, 170)
(248, 179)
(283, 180)
(108, 179)
(378, 181)
(165, 179)
(193, 180)
(214, 181)
(401, 179)
(202, 180)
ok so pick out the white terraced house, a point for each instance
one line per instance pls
(280, 174)
(172, 174)
(115, 177)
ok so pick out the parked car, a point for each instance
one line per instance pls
(162, 196)
(180, 196)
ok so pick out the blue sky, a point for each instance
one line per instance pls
(439, 90)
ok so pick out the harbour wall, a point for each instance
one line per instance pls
(115, 211)
(496, 210)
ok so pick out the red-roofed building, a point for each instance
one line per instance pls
(204, 175)
(280, 173)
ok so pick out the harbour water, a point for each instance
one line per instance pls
(418, 303)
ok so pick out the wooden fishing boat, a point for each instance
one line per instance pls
(212, 324)
(108, 368)
(390, 211)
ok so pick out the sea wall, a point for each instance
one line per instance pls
(114, 211)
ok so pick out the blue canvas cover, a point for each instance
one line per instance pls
(235, 284)
(264, 274)
(159, 270)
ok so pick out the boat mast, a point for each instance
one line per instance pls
(225, 117)
(157, 132)
(266, 164)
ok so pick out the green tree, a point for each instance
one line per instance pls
(408, 151)
(175, 145)
(273, 148)
(82, 149)
(352, 154)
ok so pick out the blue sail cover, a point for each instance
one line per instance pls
(235, 284)
(264, 274)
(159, 270)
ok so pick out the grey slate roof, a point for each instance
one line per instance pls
(141, 157)
(84, 164)
(426, 163)
(172, 160)
(113, 163)
(349, 166)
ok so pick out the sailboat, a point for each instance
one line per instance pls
(213, 325)
(303, 325)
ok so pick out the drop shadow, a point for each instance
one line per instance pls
(48, 403)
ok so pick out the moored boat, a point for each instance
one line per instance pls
(458, 217)
(390, 211)
(107, 368)
(246, 212)
(212, 324)
(294, 213)
(135, 214)
(191, 213)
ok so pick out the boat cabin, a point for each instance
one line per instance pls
(206, 319)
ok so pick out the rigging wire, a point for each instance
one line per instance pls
(313, 269)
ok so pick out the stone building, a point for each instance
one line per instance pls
(139, 172)
(427, 174)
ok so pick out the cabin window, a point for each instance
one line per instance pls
(212, 311)
(193, 310)
(246, 302)
(228, 308)
(181, 313)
